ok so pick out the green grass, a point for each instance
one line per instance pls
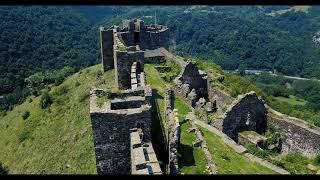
(58, 139)
(292, 100)
(154, 79)
(296, 163)
(228, 161)
(192, 160)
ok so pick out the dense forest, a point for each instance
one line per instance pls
(42, 45)
(243, 37)
(297, 98)
(41, 41)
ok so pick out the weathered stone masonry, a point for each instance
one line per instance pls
(143, 158)
(111, 126)
(297, 137)
(247, 112)
(120, 47)
(173, 126)
(192, 84)
(122, 125)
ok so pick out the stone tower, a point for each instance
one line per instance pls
(121, 46)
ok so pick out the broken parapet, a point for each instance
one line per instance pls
(143, 158)
(173, 126)
(246, 113)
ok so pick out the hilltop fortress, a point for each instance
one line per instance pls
(133, 42)
(122, 124)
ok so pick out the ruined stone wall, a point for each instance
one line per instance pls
(246, 113)
(202, 108)
(297, 138)
(220, 99)
(191, 84)
(111, 132)
(147, 37)
(106, 43)
(123, 63)
(173, 126)
(154, 39)
(120, 47)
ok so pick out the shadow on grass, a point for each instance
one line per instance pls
(187, 158)
(183, 121)
(157, 133)
(156, 95)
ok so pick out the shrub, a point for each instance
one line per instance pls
(316, 120)
(45, 100)
(317, 160)
(77, 84)
(221, 78)
(25, 115)
(253, 149)
(296, 163)
(30, 100)
(23, 136)
(60, 90)
(296, 158)
(3, 169)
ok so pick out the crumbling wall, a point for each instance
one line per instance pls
(147, 37)
(192, 84)
(154, 37)
(173, 126)
(221, 99)
(297, 137)
(204, 107)
(200, 142)
(248, 112)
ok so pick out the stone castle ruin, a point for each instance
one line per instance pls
(242, 114)
(133, 42)
(122, 123)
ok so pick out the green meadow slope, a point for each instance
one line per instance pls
(57, 139)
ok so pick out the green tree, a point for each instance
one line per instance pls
(45, 100)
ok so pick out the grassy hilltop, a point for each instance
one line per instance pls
(57, 139)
